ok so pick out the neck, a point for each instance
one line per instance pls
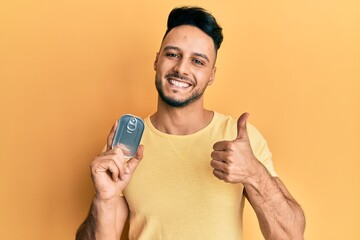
(181, 121)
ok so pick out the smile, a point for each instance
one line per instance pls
(179, 83)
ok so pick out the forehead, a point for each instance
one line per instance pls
(190, 39)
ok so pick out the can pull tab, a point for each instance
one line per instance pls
(128, 134)
(131, 126)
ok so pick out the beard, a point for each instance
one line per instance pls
(177, 103)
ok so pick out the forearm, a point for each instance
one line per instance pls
(105, 220)
(279, 215)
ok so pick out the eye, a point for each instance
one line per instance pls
(198, 62)
(172, 55)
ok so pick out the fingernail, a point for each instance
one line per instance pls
(127, 170)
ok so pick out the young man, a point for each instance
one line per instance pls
(198, 166)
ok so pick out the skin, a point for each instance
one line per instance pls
(185, 67)
(279, 215)
(190, 53)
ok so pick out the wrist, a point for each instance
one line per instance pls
(105, 214)
(261, 184)
(98, 201)
(257, 176)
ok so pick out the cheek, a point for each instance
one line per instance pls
(203, 78)
(163, 66)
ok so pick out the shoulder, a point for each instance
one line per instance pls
(228, 125)
(230, 122)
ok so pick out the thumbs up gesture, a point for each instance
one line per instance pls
(234, 161)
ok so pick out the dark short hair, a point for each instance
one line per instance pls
(197, 17)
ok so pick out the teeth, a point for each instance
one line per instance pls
(179, 84)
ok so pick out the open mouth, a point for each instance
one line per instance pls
(179, 84)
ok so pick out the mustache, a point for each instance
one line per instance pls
(178, 76)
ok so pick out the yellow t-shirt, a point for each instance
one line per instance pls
(173, 193)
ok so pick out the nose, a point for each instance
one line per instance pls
(181, 67)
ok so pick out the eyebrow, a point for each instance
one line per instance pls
(202, 55)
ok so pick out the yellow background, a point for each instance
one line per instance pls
(69, 69)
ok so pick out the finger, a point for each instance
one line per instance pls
(108, 152)
(106, 165)
(218, 165)
(241, 126)
(115, 155)
(120, 162)
(140, 152)
(111, 136)
(134, 162)
(219, 174)
(219, 155)
(114, 170)
(221, 146)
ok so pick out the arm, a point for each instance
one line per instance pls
(106, 220)
(279, 216)
(110, 173)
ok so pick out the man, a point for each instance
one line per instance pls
(198, 166)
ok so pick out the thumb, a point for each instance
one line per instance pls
(111, 136)
(241, 127)
(133, 162)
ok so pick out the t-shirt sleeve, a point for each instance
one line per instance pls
(261, 149)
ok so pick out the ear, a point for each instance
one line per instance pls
(212, 76)
(156, 61)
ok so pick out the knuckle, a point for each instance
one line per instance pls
(93, 167)
(231, 157)
(118, 150)
(230, 168)
(232, 146)
(228, 179)
(94, 163)
(118, 153)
